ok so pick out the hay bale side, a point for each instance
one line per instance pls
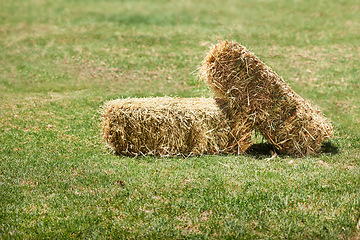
(253, 89)
(172, 126)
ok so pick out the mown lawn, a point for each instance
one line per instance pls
(61, 60)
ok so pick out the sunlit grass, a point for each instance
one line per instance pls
(61, 60)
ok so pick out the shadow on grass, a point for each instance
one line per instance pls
(261, 150)
(329, 148)
(257, 151)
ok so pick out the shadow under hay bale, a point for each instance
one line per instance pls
(253, 90)
(329, 148)
(173, 126)
(260, 150)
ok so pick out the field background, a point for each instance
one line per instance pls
(61, 60)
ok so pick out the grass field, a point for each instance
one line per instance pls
(61, 60)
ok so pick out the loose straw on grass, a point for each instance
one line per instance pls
(254, 90)
(172, 126)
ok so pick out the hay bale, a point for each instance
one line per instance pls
(172, 126)
(253, 89)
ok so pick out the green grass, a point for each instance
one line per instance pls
(61, 60)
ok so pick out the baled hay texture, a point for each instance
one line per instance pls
(252, 89)
(172, 126)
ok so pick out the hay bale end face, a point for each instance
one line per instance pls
(168, 126)
(253, 89)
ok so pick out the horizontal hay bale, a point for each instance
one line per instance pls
(253, 89)
(168, 126)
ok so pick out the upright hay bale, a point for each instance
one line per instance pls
(252, 89)
(172, 126)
